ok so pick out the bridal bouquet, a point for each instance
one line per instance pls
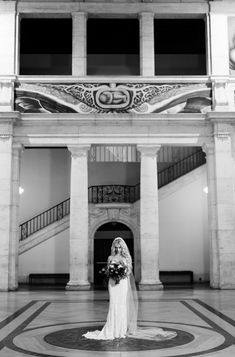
(115, 271)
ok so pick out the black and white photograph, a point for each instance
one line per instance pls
(117, 178)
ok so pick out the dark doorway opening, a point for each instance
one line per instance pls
(103, 239)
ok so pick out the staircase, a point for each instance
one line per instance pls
(101, 194)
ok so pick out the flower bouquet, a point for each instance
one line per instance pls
(115, 271)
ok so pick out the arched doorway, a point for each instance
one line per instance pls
(103, 238)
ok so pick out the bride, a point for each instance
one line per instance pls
(123, 304)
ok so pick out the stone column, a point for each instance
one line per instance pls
(79, 56)
(147, 44)
(79, 219)
(223, 224)
(211, 183)
(149, 220)
(14, 229)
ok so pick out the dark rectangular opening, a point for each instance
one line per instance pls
(180, 47)
(46, 46)
(112, 46)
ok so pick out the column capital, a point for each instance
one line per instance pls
(148, 150)
(5, 136)
(208, 148)
(18, 146)
(79, 13)
(79, 150)
(146, 14)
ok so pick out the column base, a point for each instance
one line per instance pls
(74, 286)
(150, 286)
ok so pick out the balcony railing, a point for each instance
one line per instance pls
(114, 193)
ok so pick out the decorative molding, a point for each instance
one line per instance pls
(91, 98)
(5, 137)
(113, 212)
(222, 135)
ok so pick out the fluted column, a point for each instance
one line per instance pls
(79, 219)
(14, 227)
(149, 220)
(79, 57)
(147, 44)
(211, 183)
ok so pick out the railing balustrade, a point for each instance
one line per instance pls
(111, 194)
(181, 168)
(44, 219)
(114, 193)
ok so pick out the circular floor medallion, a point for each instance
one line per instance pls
(73, 339)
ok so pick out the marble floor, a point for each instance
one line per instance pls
(51, 323)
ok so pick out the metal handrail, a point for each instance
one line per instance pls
(44, 219)
(181, 168)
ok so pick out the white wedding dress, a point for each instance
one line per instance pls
(122, 315)
(116, 324)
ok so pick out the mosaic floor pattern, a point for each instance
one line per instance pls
(50, 324)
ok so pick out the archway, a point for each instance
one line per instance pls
(103, 238)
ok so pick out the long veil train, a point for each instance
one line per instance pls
(135, 331)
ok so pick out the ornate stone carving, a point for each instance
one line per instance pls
(116, 212)
(113, 214)
(96, 213)
(112, 97)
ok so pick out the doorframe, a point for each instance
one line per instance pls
(136, 243)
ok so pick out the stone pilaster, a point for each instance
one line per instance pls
(14, 233)
(6, 134)
(212, 218)
(222, 173)
(79, 57)
(7, 37)
(6, 94)
(149, 220)
(147, 44)
(79, 219)
(219, 44)
(225, 203)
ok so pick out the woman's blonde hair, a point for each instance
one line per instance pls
(125, 251)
